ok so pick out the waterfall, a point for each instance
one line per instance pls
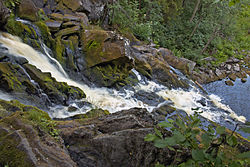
(113, 100)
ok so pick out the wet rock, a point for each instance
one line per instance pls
(232, 77)
(237, 67)
(58, 92)
(68, 31)
(154, 66)
(53, 25)
(163, 111)
(241, 74)
(228, 67)
(72, 108)
(219, 73)
(94, 113)
(105, 61)
(243, 80)
(229, 83)
(11, 78)
(149, 98)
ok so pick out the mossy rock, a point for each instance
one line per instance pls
(27, 10)
(18, 28)
(27, 135)
(68, 31)
(101, 46)
(94, 113)
(10, 78)
(58, 92)
(74, 5)
(112, 74)
(45, 34)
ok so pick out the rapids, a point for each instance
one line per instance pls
(114, 100)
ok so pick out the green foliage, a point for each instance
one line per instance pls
(167, 23)
(43, 121)
(206, 143)
(11, 4)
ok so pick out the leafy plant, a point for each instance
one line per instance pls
(207, 144)
(11, 4)
(215, 25)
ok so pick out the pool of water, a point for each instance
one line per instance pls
(237, 96)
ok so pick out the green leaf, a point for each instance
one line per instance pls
(170, 120)
(160, 143)
(206, 140)
(171, 148)
(232, 141)
(158, 132)
(178, 137)
(165, 124)
(181, 124)
(150, 137)
(244, 155)
(220, 130)
(198, 155)
(170, 141)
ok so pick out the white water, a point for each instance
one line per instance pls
(113, 100)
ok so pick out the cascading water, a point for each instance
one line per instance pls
(113, 100)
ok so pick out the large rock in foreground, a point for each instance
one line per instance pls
(114, 140)
(28, 138)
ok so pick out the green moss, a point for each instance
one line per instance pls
(94, 113)
(45, 33)
(8, 75)
(59, 50)
(29, 115)
(10, 154)
(17, 28)
(93, 45)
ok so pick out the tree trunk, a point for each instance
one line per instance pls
(210, 40)
(195, 28)
(195, 10)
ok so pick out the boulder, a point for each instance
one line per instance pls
(150, 62)
(105, 60)
(114, 140)
(232, 77)
(68, 31)
(182, 64)
(28, 10)
(53, 25)
(101, 46)
(229, 83)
